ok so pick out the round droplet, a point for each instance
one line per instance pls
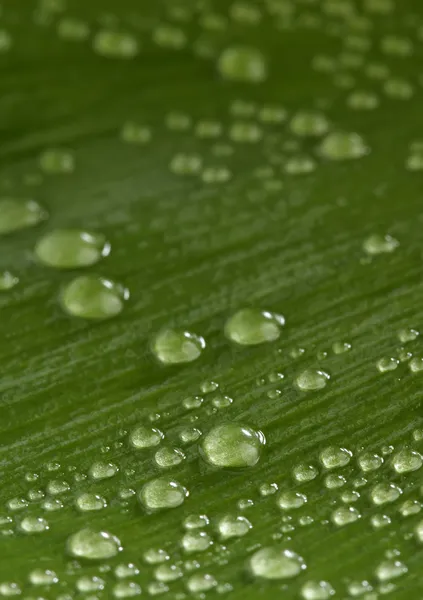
(380, 244)
(276, 563)
(304, 472)
(126, 589)
(115, 44)
(344, 515)
(168, 573)
(196, 541)
(242, 64)
(290, 500)
(369, 462)
(87, 584)
(92, 297)
(407, 335)
(145, 437)
(416, 365)
(387, 364)
(198, 584)
(307, 123)
(19, 214)
(384, 493)
(155, 556)
(268, 489)
(334, 457)
(174, 346)
(332, 481)
(102, 470)
(71, 248)
(43, 577)
(7, 281)
(232, 527)
(196, 522)
(251, 326)
(88, 501)
(33, 525)
(126, 570)
(166, 457)
(233, 446)
(57, 160)
(93, 545)
(407, 460)
(340, 145)
(390, 569)
(410, 507)
(380, 521)
(162, 493)
(311, 380)
(317, 590)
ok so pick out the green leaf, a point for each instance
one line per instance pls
(244, 155)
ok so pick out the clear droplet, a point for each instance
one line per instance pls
(126, 589)
(93, 297)
(43, 577)
(390, 569)
(174, 346)
(102, 470)
(19, 214)
(276, 563)
(242, 64)
(7, 281)
(233, 446)
(380, 244)
(386, 364)
(344, 515)
(93, 545)
(368, 461)
(167, 573)
(410, 507)
(33, 525)
(251, 326)
(87, 584)
(334, 457)
(311, 380)
(167, 457)
(317, 590)
(334, 481)
(196, 541)
(416, 365)
(57, 161)
(290, 500)
(384, 493)
(155, 556)
(304, 472)
(162, 493)
(126, 570)
(145, 437)
(407, 335)
(379, 521)
(200, 583)
(406, 461)
(232, 526)
(196, 522)
(71, 248)
(115, 44)
(340, 145)
(88, 501)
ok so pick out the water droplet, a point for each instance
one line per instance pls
(312, 380)
(390, 569)
(126, 589)
(276, 563)
(340, 145)
(416, 365)
(52, 504)
(7, 280)
(10, 588)
(87, 584)
(198, 584)
(155, 556)
(93, 545)
(168, 573)
(232, 445)
(304, 472)
(362, 100)
(133, 133)
(407, 335)
(398, 89)
(268, 489)
(299, 165)
(93, 297)
(369, 462)
(407, 460)
(196, 541)
(333, 481)
(33, 525)
(208, 129)
(251, 326)
(344, 515)
(380, 244)
(168, 457)
(19, 214)
(384, 493)
(195, 522)
(162, 493)
(57, 160)
(272, 114)
(169, 36)
(245, 132)
(192, 402)
(115, 44)
(359, 588)
(219, 401)
(334, 457)
(102, 470)
(341, 347)
(290, 500)
(16, 503)
(317, 590)
(75, 30)
(386, 364)
(71, 248)
(410, 507)
(190, 435)
(88, 501)
(43, 577)
(145, 437)
(216, 175)
(307, 123)
(232, 526)
(379, 521)
(174, 346)
(242, 64)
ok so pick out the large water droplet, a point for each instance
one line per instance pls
(93, 545)
(251, 326)
(407, 460)
(174, 346)
(276, 563)
(93, 297)
(71, 248)
(162, 493)
(311, 380)
(19, 214)
(334, 457)
(233, 446)
(232, 526)
(145, 437)
(340, 145)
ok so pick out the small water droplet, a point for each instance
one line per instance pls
(92, 297)
(102, 470)
(232, 526)
(57, 161)
(390, 569)
(242, 64)
(162, 493)
(384, 493)
(317, 590)
(7, 280)
(115, 44)
(290, 500)
(196, 522)
(344, 515)
(200, 583)
(19, 214)
(340, 145)
(312, 380)
(251, 326)
(126, 589)
(406, 461)
(173, 346)
(308, 123)
(196, 541)
(33, 525)
(145, 437)
(386, 364)
(155, 556)
(88, 501)
(93, 545)
(276, 563)
(43, 577)
(368, 461)
(304, 472)
(167, 457)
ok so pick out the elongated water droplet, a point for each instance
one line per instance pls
(162, 493)
(380, 244)
(174, 346)
(232, 526)
(145, 437)
(88, 501)
(7, 281)
(243, 64)
(251, 326)
(71, 248)
(115, 44)
(93, 297)
(93, 545)
(406, 461)
(19, 214)
(276, 563)
(311, 380)
(340, 145)
(334, 457)
(317, 590)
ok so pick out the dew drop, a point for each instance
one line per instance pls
(304, 472)
(406, 461)
(168, 573)
(174, 346)
(380, 244)
(276, 563)
(195, 522)
(344, 515)
(102, 470)
(379, 521)
(196, 541)
(384, 493)
(167, 457)
(306, 123)
(75, 30)
(93, 545)
(390, 569)
(317, 590)
(7, 281)
(33, 525)
(19, 214)
(232, 526)
(369, 462)
(126, 589)
(232, 445)
(242, 64)
(186, 164)
(251, 326)
(93, 297)
(334, 457)
(89, 501)
(57, 161)
(340, 145)
(145, 437)
(71, 248)
(115, 44)
(200, 583)
(290, 500)
(162, 493)
(386, 364)
(43, 577)
(311, 380)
